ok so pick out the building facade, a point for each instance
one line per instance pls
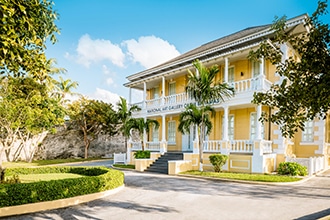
(252, 146)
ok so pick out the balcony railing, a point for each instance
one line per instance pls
(179, 100)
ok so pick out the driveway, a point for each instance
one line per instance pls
(153, 196)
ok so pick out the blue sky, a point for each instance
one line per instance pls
(104, 41)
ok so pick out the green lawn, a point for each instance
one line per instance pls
(243, 176)
(125, 166)
(47, 176)
(47, 162)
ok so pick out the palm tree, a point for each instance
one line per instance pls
(205, 90)
(124, 114)
(140, 124)
(64, 87)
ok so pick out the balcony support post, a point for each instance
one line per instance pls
(226, 69)
(144, 95)
(163, 90)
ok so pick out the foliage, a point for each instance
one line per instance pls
(245, 176)
(26, 111)
(292, 169)
(141, 124)
(218, 160)
(124, 114)
(304, 92)
(96, 179)
(124, 166)
(93, 117)
(205, 90)
(24, 30)
(142, 154)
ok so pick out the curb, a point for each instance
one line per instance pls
(56, 204)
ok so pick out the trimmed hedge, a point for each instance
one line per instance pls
(96, 179)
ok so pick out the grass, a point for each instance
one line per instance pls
(47, 162)
(47, 176)
(125, 166)
(245, 176)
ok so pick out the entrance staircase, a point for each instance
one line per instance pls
(161, 164)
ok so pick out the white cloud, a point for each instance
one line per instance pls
(92, 51)
(150, 51)
(105, 96)
(109, 81)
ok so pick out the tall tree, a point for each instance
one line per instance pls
(25, 28)
(304, 93)
(203, 87)
(26, 111)
(139, 124)
(93, 118)
(124, 113)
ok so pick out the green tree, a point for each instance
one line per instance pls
(64, 87)
(93, 118)
(124, 113)
(304, 92)
(25, 28)
(140, 124)
(26, 112)
(205, 90)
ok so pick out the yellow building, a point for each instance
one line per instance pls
(252, 147)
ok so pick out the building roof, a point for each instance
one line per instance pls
(224, 45)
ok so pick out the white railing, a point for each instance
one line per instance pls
(252, 84)
(266, 146)
(177, 99)
(153, 102)
(119, 158)
(241, 146)
(313, 164)
(212, 146)
(153, 146)
(136, 146)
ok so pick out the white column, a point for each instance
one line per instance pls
(130, 96)
(259, 125)
(145, 135)
(163, 142)
(226, 69)
(163, 90)
(196, 141)
(225, 123)
(144, 95)
(262, 72)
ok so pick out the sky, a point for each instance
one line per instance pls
(104, 41)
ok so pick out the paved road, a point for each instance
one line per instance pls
(152, 196)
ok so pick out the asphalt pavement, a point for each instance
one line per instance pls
(155, 196)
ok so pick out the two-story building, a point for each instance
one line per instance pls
(252, 146)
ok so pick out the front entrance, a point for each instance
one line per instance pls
(188, 140)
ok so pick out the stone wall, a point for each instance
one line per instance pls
(70, 144)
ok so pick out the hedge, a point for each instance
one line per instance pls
(95, 179)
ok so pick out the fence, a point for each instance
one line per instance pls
(313, 164)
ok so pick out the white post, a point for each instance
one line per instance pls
(259, 125)
(144, 95)
(163, 90)
(144, 135)
(163, 149)
(130, 96)
(196, 141)
(226, 69)
(225, 123)
(262, 74)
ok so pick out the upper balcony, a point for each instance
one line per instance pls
(244, 90)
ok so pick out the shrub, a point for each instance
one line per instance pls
(96, 179)
(142, 154)
(292, 168)
(218, 160)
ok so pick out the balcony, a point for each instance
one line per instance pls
(244, 90)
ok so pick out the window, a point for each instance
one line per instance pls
(171, 132)
(155, 134)
(155, 93)
(230, 127)
(231, 74)
(171, 91)
(253, 127)
(255, 68)
(308, 133)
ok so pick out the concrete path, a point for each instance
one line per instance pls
(152, 196)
